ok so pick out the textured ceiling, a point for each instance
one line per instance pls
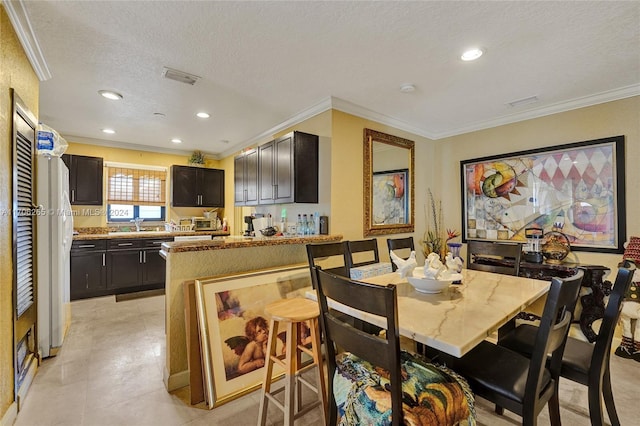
(263, 63)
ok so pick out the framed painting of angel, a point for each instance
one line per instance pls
(234, 327)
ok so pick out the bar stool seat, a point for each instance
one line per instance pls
(292, 314)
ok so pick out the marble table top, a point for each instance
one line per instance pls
(460, 317)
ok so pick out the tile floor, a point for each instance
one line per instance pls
(109, 373)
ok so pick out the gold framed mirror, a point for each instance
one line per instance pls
(388, 184)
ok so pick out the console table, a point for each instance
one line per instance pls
(592, 304)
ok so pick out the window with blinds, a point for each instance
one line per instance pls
(135, 192)
(136, 186)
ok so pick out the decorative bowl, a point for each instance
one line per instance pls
(429, 285)
(269, 232)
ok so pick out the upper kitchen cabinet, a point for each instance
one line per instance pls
(246, 178)
(287, 170)
(85, 179)
(197, 187)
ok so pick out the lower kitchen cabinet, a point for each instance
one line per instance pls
(116, 266)
(88, 269)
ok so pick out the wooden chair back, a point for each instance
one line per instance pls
(598, 378)
(331, 257)
(501, 251)
(400, 246)
(361, 249)
(383, 352)
(552, 336)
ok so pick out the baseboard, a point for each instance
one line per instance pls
(10, 415)
(175, 381)
(139, 294)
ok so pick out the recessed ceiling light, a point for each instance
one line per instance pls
(109, 94)
(472, 54)
(159, 114)
(109, 131)
(407, 88)
(224, 141)
(202, 115)
(176, 140)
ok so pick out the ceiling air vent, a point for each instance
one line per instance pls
(180, 76)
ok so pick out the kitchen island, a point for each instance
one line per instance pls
(190, 260)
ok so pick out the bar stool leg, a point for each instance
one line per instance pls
(317, 358)
(290, 378)
(298, 331)
(266, 384)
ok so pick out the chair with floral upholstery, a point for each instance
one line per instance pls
(371, 381)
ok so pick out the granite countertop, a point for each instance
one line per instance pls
(106, 235)
(231, 242)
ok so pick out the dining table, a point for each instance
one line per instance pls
(461, 316)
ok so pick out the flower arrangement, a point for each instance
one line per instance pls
(434, 239)
(197, 157)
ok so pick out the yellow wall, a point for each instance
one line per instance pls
(15, 72)
(347, 200)
(120, 155)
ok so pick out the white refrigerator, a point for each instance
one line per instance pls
(54, 231)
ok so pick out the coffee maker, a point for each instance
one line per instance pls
(249, 232)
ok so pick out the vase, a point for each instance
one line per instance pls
(454, 249)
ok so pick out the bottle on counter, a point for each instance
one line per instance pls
(316, 223)
(225, 227)
(299, 225)
(305, 225)
(311, 225)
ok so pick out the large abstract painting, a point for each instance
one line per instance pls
(578, 188)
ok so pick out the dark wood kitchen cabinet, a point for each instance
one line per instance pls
(287, 170)
(197, 187)
(88, 269)
(85, 179)
(246, 178)
(135, 264)
(116, 266)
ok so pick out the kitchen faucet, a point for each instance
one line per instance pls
(138, 221)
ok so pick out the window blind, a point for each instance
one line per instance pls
(136, 186)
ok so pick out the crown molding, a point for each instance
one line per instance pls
(362, 112)
(130, 146)
(22, 26)
(582, 102)
(318, 108)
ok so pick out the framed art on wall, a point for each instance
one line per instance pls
(234, 327)
(390, 201)
(577, 188)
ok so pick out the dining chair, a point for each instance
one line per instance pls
(332, 257)
(583, 362)
(371, 379)
(396, 244)
(521, 384)
(362, 249)
(494, 250)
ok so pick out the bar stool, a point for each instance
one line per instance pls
(292, 313)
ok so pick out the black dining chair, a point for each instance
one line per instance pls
(405, 245)
(371, 375)
(361, 253)
(504, 257)
(521, 384)
(332, 257)
(583, 362)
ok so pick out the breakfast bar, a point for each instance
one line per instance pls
(190, 260)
